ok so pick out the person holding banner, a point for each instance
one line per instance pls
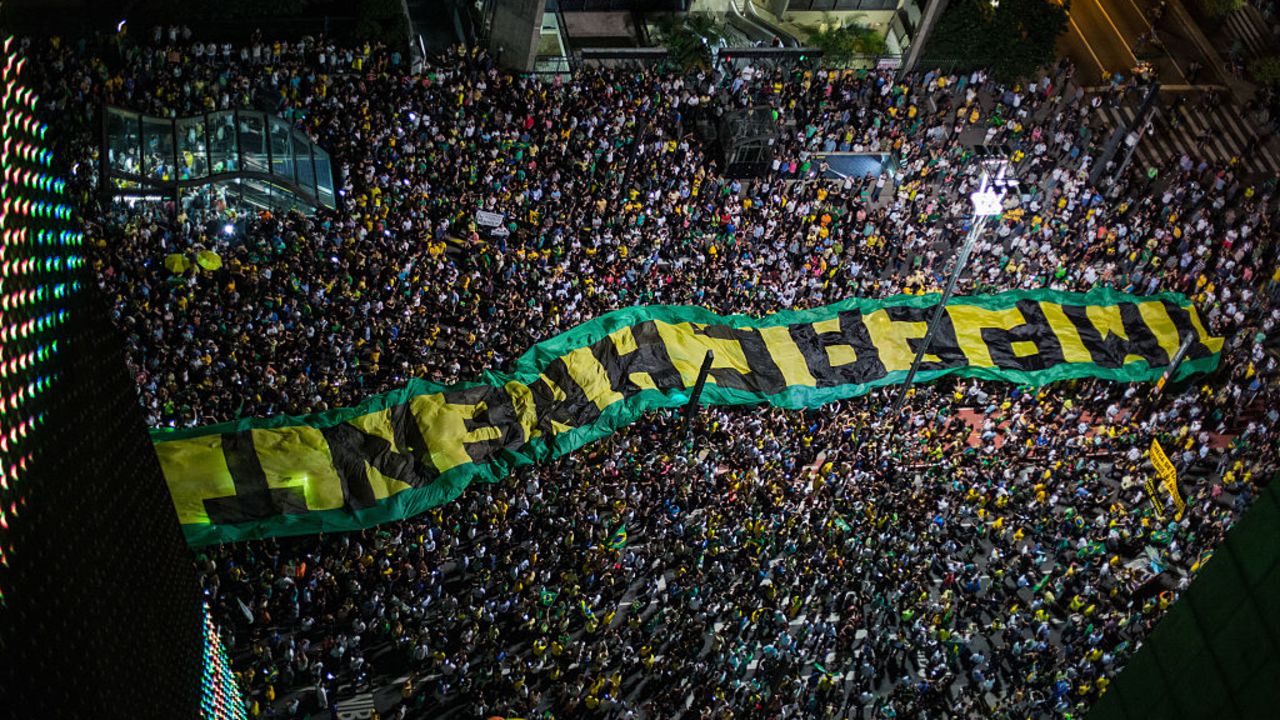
(986, 535)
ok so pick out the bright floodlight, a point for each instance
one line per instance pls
(229, 228)
(989, 198)
(987, 202)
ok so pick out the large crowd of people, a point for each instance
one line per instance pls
(991, 552)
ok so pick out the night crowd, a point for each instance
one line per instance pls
(992, 552)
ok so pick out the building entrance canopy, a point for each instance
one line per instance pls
(257, 155)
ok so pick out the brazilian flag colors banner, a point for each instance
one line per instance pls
(398, 454)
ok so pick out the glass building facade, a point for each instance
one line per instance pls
(247, 155)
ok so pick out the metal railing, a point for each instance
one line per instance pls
(739, 58)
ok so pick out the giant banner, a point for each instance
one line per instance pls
(398, 454)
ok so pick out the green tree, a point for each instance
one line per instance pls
(688, 39)
(842, 44)
(1012, 39)
(382, 20)
(1218, 8)
(1266, 70)
(221, 8)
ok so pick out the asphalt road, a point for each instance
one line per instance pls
(1104, 35)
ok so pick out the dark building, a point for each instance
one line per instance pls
(1216, 653)
(100, 608)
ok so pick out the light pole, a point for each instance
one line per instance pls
(988, 202)
(1121, 132)
(691, 408)
(1140, 123)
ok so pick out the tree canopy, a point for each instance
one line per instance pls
(842, 44)
(688, 38)
(1013, 38)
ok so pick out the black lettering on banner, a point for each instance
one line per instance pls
(1141, 337)
(253, 500)
(350, 447)
(408, 435)
(1009, 350)
(575, 410)
(1181, 318)
(813, 345)
(498, 411)
(650, 356)
(1110, 352)
(764, 377)
(944, 344)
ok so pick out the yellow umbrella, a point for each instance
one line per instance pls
(208, 259)
(177, 263)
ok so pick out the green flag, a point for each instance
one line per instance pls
(619, 538)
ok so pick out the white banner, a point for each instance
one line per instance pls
(488, 219)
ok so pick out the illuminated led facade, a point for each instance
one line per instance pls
(100, 606)
(39, 254)
(220, 697)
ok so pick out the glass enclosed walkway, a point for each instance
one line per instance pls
(255, 157)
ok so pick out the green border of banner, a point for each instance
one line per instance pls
(450, 484)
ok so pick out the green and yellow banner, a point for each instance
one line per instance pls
(400, 453)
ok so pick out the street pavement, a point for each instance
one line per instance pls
(1106, 36)
(1246, 31)
(1215, 133)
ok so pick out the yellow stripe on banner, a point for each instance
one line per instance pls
(195, 470)
(444, 428)
(837, 355)
(526, 410)
(891, 337)
(1156, 317)
(559, 396)
(590, 375)
(687, 350)
(378, 424)
(787, 356)
(1106, 319)
(969, 322)
(1023, 348)
(830, 325)
(729, 355)
(448, 432)
(384, 486)
(1073, 349)
(298, 456)
(1213, 343)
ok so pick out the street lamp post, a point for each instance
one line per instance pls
(1140, 123)
(1121, 133)
(988, 202)
(691, 408)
